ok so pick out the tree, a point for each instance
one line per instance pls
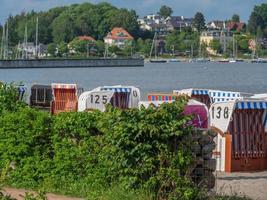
(216, 46)
(127, 50)
(144, 46)
(65, 23)
(199, 22)
(100, 47)
(51, 49)
(62, 49)
(259, 32)
(114, 50)
(182, 41)
(165, 11)
(172, 41)
(235, 18)
(258, 18)
(79, 46)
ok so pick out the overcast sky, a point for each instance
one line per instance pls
(212, 9)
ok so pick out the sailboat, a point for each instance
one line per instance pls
(154, 45)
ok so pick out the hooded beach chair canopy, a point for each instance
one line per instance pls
(65, 97)
(118, 96)
(161, 97)
(221, 112)
(214, 95)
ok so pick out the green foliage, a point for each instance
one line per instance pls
(51, 49)
(119, 154)
(199, 21)
(243, 43)
(39, 196)
(181, 41)
(78, 45)
(25, 143)
(63, 24)
(258, 18)
(100, 47)
(9, 98)
(144, 46)
(235, 18)
(165, 11)
(216, 46)
(114, 50)
(63, 49)
(72, 152)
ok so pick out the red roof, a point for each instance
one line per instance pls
(235, 25)
(119, 33)
(88, 38)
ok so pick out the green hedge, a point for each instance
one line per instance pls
(146, 149)
(119, 154)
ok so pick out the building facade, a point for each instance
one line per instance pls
(118, 37)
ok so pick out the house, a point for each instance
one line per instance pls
(224, 37)
(178, 22)
(216, 25)
(148, 21)
(236, 26)
(160, 29)
(118, 37)
(30, 50)
(154, 19)
(87, 38)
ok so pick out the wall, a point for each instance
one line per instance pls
(70, 63)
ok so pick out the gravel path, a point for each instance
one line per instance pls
(253, 185)
(20, 193)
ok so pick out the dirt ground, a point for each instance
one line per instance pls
(20, 193)
(253, 185)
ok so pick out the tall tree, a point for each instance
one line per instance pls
(199, 22)
(235, 18)
(258, 18)
(165, 11)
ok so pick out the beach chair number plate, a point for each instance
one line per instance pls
(99, 99)
(220, 112)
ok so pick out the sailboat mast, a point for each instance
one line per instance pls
(7, 51)
(152, 45)
(25, 45)
(3, 42)
(36, 37)
(236, 48)
(233, 45)
(155, 45)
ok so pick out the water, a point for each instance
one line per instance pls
(244, 77)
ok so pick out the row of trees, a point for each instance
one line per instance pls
(62, 24)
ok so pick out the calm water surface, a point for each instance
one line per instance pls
(244, 77)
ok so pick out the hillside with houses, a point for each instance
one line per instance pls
(102, 30)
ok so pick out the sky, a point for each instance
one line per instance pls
(212, 9)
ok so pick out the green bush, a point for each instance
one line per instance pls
(9, 100)
(25, 143)
(148, 148)
(122, 154)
